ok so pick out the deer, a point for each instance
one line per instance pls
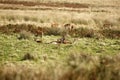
(68, 29)
(39, 33)
(61, 40)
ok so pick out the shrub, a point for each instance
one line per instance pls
(110, 33)
(52, 31)
(26, 30)
(28, 56)
(85, 32)
(25, 35)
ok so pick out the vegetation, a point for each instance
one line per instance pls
(59, 40)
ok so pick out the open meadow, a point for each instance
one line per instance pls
(59, 39)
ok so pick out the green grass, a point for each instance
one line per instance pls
(13, 49)
(87, 59)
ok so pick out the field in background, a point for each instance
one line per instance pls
(102, 2)
(30, 28)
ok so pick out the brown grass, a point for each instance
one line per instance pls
(79, 67)
(23, 72)
(87, 67)
(53, 4)
(97, 2)
(76, 32)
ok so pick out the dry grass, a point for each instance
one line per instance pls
(102, 2)
(12, 71)
(87, 67)
(79, 66)
(28, 31)
(46, 18)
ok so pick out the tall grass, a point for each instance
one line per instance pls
(89, 67)
(78, 67)
(28, 31)
(46, 18)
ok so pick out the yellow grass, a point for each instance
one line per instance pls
(87, 19)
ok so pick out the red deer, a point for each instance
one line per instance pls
(69, 28)
(39, 32)
(63, 40)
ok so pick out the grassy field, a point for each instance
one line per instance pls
(102, 2)
(31, 46)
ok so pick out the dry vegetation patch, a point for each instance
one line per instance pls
(79, 66)
(26, 31)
